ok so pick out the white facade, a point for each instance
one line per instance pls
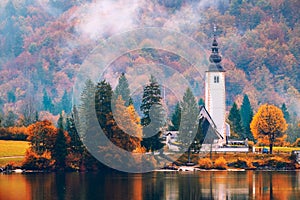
(215, 98)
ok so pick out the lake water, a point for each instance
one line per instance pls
(155, 185)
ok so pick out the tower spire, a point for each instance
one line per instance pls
(214, 57)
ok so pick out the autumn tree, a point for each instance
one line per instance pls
(268, 121)
(42, 136)
(128, 132)
(136, 120)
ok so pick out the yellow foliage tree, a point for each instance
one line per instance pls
(128, 133)
(268, 122)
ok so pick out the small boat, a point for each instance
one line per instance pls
(18, 170)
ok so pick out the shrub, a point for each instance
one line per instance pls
(296, 143)
(277, 162)
(205, 163)
(243, 163)
(220, 163)
(34, 161)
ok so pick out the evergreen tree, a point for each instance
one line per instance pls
(235, 120)
(66, 103)
(235, 7)
(151, 96)
(285, 113)
(175, 119)
(11, 97)
(88, 120)
(13, 43)
(122, 90)
(103, 100)
(1, 119)
(154, 116)
(47, 103)
(10, 119)
(189, 121)
(60, 145)
(201, 102)
(246, 113)
(152, 132)
(75, 144)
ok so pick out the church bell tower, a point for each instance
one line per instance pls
(215, 89)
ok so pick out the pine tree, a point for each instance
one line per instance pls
(189, 121)
(75, 145)
(13, 43)
(246, 117)
(201, 102)
(235, 120)
(151, 96)
(88, 121)
(103, 100)
(11, 97)
(175, 119)
(154, 116)
(47, 103)
(122, 90)
(10, 119)
(285, 113)
(66, 103)
(152, 132)
(60, 146)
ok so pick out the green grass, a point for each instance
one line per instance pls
(12, 152)
(282, 149)
(15, 161)
(13, 148)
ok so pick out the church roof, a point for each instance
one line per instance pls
(204, 114)
(214, 58)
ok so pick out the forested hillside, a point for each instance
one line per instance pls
(44, 42)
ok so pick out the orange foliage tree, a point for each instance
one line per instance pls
(42, 136)
(268, 122)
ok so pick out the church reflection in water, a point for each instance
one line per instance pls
(155, 185)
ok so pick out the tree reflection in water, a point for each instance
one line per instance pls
(155, 185)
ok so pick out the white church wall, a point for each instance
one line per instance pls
(215, 99)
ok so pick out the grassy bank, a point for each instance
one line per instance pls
(279, 160)
(12, 152)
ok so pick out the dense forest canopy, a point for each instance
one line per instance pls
(43, 43)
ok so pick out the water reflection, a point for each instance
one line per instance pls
(157, 185)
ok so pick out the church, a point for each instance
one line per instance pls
(213, 114)
(215, 96)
